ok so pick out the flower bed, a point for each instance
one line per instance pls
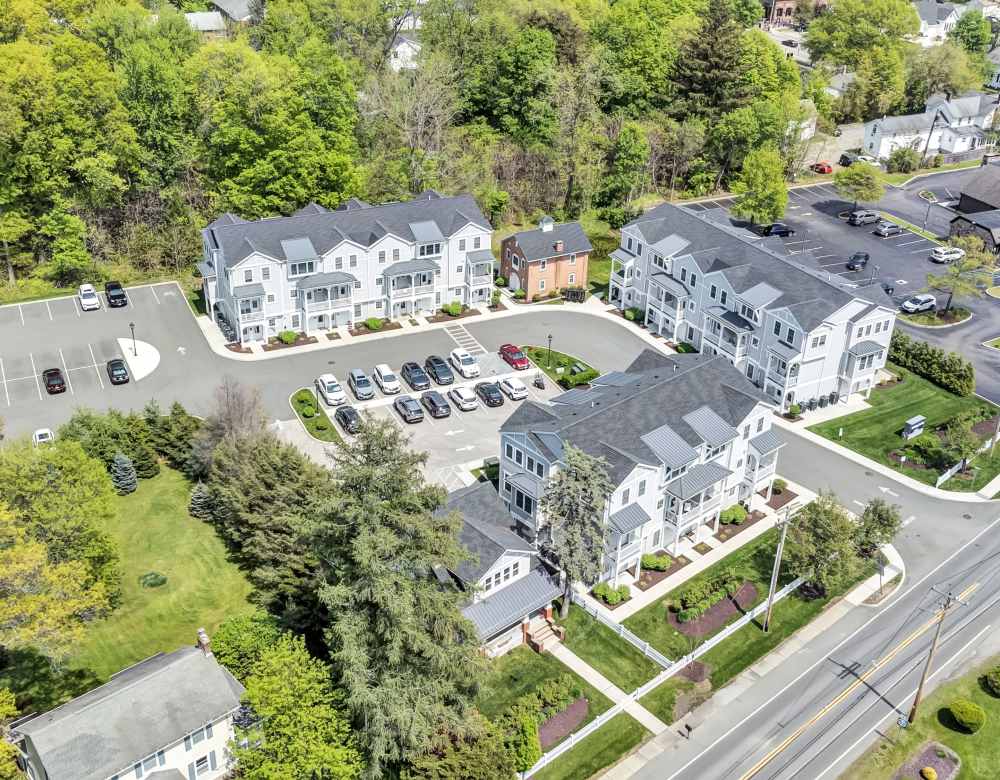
(361, 329)
(274, 343)
(559, 726)
(443, 316)
(239, 348)
(945, 763)
(612, 598)
(332, 335)
(498, 307)
(779, 500)
(703, 549)
(727, 532)
(649, 577)
(716, 616)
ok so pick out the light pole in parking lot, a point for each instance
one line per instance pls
(132, 328)
(548, 358)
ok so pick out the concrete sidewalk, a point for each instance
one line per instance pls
(605, 686)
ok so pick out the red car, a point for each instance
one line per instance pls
(821, 167)
(515, 356)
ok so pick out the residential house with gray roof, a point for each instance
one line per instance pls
(510, 589)
(683, 436)
(318, 269)
(543, 261)
(170, 716)
(938, 19)
(800, 336)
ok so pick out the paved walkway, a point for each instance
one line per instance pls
(605, 686)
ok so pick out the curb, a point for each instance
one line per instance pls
(299, 420)
(940, 327)
(885, 471)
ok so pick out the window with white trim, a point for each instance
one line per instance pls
(642, 488)
(395, 255)
(338, 263)
(543, 264)
(722, 297)
(301, 268)
(572, 259)
(381, 256)
(518, 457)
(625, 495)
(541, 284)
(476, 242)
(777, 328)
(461, 245)
(265, 273)
(429, 250)
(354, 261)
(248, 275)
(712, 291)
(270, 298)
(514, 567)
(571, 278)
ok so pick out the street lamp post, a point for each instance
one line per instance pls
(548, 359)
(132, 327)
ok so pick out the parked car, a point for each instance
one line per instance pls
(490, 393)
(117, 371)
(777, 229)
(415, 376)
(790, 43)
(386, 380)
(463, 398)
(408, 409)
(435, 404)
(947, 254)
(116, 294)
(329, 390)
(53, 380)
(863, 217)
(886, 229)
(348, 419)
(464, 363)
(867, 158)
(515, 357)
(858, 261)
(821, 167)
(88, 297)
(42, 436)
(847, 159)
(514, 388)
(918, 303)
(361, 385)
(438, 370)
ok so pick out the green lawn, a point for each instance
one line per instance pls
(902, 178)
(957, 314)
(521, 671)
(155, 533)
(980, 752)
(910, 226)
(599, 750)
(994, 343)
(488, 473)
(319, 425)
(549, 362)
(608, 653)
(875, 432)
(660, 701)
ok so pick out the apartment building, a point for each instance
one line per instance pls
(546, 259)
(684, 437)
(170, 716)
(319, 269)
(801, 336)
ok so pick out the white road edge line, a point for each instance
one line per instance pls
(21, 312)
(68, 382)
(842, 642)
(76, 306)
(49, 310)
(34, 373)
(3, 375)
(96, 369)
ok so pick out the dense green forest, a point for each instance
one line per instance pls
(122, 131)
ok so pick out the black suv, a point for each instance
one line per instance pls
(439, 371)
(348, 418)
(777, 229)
(116, 294)
(435, 404)
(858, 261)
(415, 376)
(489, 393)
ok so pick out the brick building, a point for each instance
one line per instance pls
(549, 258)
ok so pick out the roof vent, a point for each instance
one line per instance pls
(558, 246)
(546, 223)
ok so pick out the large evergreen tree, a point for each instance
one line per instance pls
(707, 75)
(123, 475)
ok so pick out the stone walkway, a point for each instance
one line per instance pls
(609, 689)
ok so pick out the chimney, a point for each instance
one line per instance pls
(204, 642)
(558, 246)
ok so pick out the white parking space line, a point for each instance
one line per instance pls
(911, 243)
(823, 257)
(49, 310)
(3, 376)
(829, 265)
(21, 312)
(153, 290)
(76, 307)
(96, 369)
(922, 251)
(66, 369)
(34, 373)
(790, 243)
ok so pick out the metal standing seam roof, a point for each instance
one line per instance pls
(665, 280)
(526, 482)
(426, 231)
(326, 279)
(298, 249)
(628, 518)
(669, 246)
(863, 348)
(416, 265)
(731, 318)
(669, 447)
(480, 256)
(713, 430)
(696, 480)
(206, 270)
(248, 290)
(507, 606)
(766, 442)
(783, 350)
(759, 295)
(621, 255)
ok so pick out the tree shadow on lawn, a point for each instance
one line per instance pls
(40, 685)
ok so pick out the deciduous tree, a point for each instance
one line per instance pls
(972, 32)
(878, 525)
(859, 182)
(762, 195)
(240, 642)
(965, 277)
(821, 544)
(851, 28)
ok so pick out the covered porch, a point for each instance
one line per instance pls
(727, 332)
(694, 502)
(409, 286)
(327, 299)
(251, 318)
(665, 305)
(479, 266)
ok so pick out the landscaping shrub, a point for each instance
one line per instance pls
(452, 309)
(701, 595)
(928, 450)
(520, 727)
(307, 410)
(520, 295)
(903, 160)
(553, 696)
(685, 348)
(655, 562)
(373, 323)
(928, 773)
(948, 370)
(500, 282)
(123, 476)
(287, 336)
(611, 596)
(778, 486)
(992, 680)
(735, 515)
(794, 410)
(495, 298)
(633, 314)
(152, 579)
(553, 294)
(572, 380)
(969, 715)
(200, 504)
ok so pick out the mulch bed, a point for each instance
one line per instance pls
(540, 300)
(778, 500)
(730, 530)
(896, 456)
(946, 766)
(649, 577)
(703, 549)
(443, 317)
(360, 329)
(985, 428)
(605, 604)
(236, 347)
(718, 615)
(332, 335)
(696, 672)
(564, 723)
(274, 344)
(498, 307)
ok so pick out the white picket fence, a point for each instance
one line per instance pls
(670, 669)
(946, 475)
(648, 650)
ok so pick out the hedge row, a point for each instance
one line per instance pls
(701, 595)
(611, 596)
(520, 723)
(945, 369)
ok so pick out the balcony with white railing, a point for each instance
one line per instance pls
(328, 304)
(695, 511)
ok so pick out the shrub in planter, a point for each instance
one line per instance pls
(655, 562)
(778, 486)
(992, 680)
(937, 161)
(633, 314)
(572, 380)
(373, 323)
(495, 298)
(308, 411)
(500, 282)
(794, 410)
(928, 773)
(735, 514)
(452, 309)
(520, 295)
(611, 596)
(553, 294)
(969, 715)
(288, 336)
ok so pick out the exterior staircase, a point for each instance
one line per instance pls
(543, 634)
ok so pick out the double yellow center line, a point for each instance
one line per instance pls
(852, 687)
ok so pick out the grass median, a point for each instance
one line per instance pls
(551, 361)
(597, 751)
(309, 409)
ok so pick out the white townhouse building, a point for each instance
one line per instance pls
(319, 269)
(169, 717)
(957, 128)
(799, 336)
(684, 436)
(937, 20)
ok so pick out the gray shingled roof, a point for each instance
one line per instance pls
(732, 318)
(507, 606)
(671, 285)
(615, 418)
(526, 482)
(988, 220)
(206, 270)
(249, 290)
(480, 256)
(537, 244)
(238, 10)
(985, 186)
(697, 479)
(766, 442)
(628, 518)
(863, 348)
(932, 12)
(137, 712)
(414, 266)
(206, 21)
(760, 295)
(326, 279)
(427, 214)
(486, 529)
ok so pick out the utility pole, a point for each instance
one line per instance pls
(777, 566)
(948, 601)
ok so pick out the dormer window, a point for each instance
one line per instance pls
(429, 250)
(302, 268)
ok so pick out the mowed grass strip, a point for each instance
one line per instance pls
(615, 658)
(597, 751)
